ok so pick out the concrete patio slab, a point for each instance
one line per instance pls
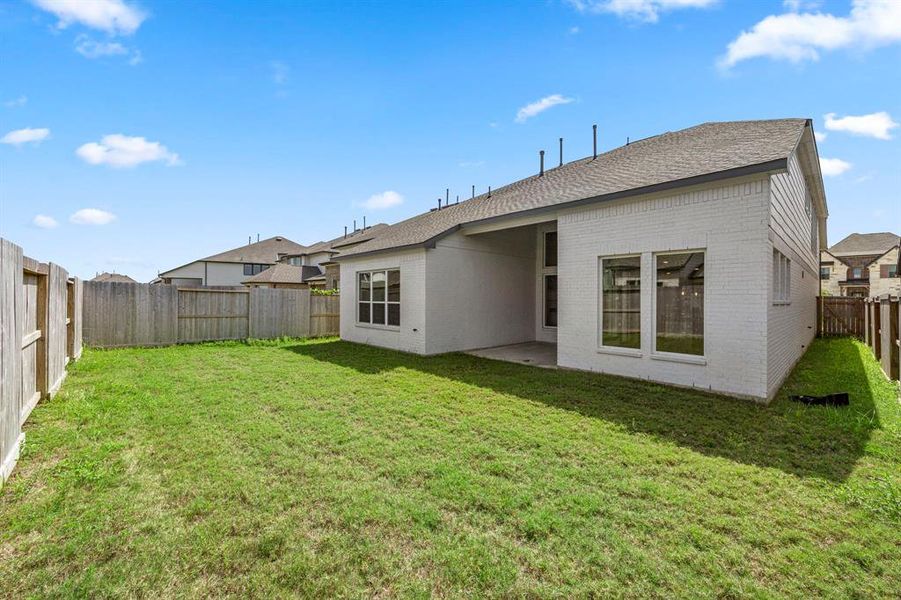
(536, 354)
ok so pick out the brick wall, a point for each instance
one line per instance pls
(728, 222)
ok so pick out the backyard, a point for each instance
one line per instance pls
(324, 468)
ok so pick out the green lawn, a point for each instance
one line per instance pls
(324, 469)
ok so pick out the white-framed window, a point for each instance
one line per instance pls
(782, 292)
(549, 279)
(679, 302)
(620, 302)
(378, 297)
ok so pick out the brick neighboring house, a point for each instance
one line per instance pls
(863, 265)
(688, 258)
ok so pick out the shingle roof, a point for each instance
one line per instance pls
(263, 252)
(865, 243)
(284, 273)
(666, 160)
(114, 277)
(355, 237)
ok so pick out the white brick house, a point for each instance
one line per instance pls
(689, 258)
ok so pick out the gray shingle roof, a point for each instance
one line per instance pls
(263, 252)
(284, 273)
(865, 243)
(666, 160)
(114, 277)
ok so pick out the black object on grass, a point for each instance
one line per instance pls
(840, 399)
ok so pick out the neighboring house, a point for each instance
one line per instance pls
(283, 275)
(863, 265)
(317, 260)
(688, 258)
(232, 267)
(113, 277)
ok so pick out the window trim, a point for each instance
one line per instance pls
(371, 302)
(655, 354)
(623, 350)
(782, 279)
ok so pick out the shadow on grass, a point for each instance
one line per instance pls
(821, 442)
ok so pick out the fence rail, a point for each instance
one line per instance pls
(138, 314)
(40, 332)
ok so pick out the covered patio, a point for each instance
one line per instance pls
(536, 354)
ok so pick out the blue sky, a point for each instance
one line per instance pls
(189, 126)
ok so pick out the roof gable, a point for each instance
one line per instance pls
(865, 244)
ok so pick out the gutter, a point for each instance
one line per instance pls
(779, 164)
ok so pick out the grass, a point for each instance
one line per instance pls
(323, 468)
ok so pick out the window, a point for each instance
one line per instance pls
(550, 249)
(888, 271)
(855, 273)
(825, 272)
(549, 279)
(680, 303)
(621, 302)
(781, 278)
(253, 268)
(550, 300)
(378, 297)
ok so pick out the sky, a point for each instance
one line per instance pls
(136, 136)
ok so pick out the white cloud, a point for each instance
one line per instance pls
(539, 106)
(25, 136)
(573, 30)
(117, 150)
(820, 135)
(16, 102)
(384, 200)
(641, 10)
(90, 48)
(112, 16)
(92, 216)
(797, 37)
(797, 5)
(44, 222)
(877, 125)
(832, 167)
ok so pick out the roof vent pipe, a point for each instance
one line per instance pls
(594, 129)
(355, 224)
(446, 197)
(561, 152)
(364, 221)
(345, 231)
(458, 199)
(489, 191)
(258, 238)
(248, 240)
(541, 160)
(473, 191)
(439, 202)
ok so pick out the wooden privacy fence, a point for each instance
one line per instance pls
(40, 331)
(138, 314)
(882, 319)
(841, 316)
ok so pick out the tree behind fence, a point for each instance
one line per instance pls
(135, 314)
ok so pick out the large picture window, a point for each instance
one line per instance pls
(621, 302)
(253, 268)
(378, 297)
(680, 303)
